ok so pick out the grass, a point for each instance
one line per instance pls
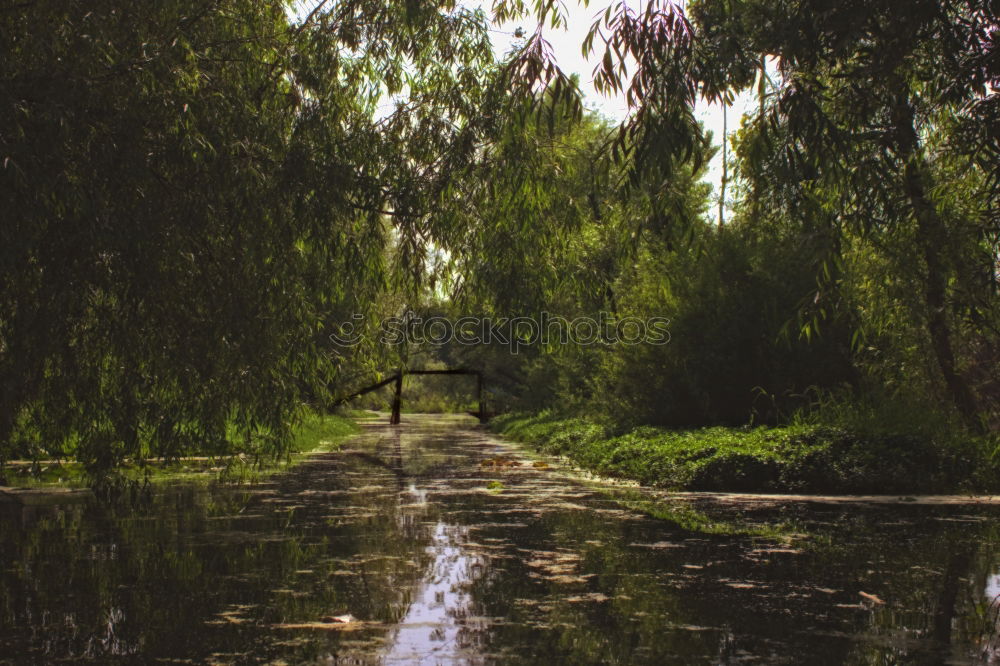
(316, 433)
(320, 433)
(687, 517)
(800, 458)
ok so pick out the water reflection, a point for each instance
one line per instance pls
(440, 558)
(992, 590)
(439, 626)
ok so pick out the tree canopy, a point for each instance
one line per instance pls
(195, 196)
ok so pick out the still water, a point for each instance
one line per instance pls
(433, 557)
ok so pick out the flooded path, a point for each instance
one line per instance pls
(437, 543)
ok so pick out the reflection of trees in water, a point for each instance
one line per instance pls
(440, 624)
(102, 581)
(357, 533)
(929, 565)
(989, 640)
(608, 607)
(642, 605)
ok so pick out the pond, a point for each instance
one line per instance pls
(435, 542)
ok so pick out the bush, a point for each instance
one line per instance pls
(803, 457)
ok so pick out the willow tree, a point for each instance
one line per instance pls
(882, 117)
(861, 137)
(194, 194)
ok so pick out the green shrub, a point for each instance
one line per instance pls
(802, 457)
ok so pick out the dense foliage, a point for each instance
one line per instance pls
(796, 458)
(859, 263)
(195, 196)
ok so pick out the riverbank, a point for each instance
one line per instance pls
(316, 433)
(793, 459)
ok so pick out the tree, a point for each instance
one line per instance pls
(195, 194)
(845, 140)
(859, 135)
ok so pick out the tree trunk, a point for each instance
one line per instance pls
(397, 400)
(932, 237)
